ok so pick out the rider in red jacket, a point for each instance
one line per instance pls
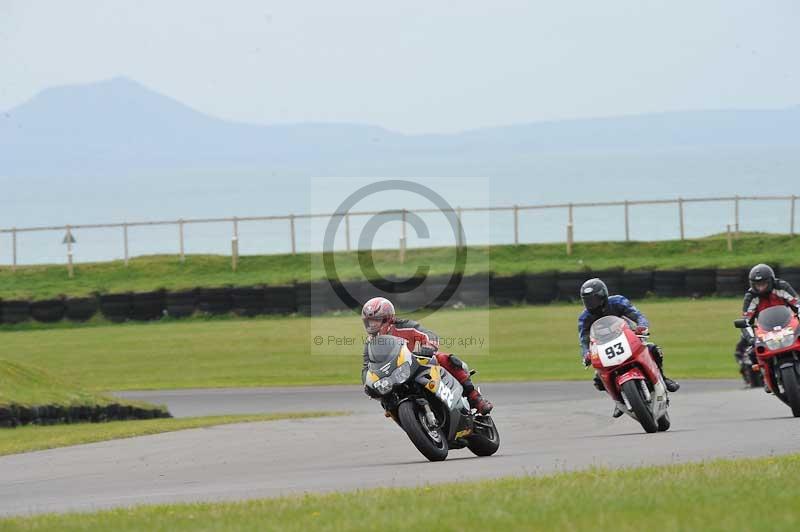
(379, 318)
(766, 291)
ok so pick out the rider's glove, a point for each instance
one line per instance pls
(642, 331)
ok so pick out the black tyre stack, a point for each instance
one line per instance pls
(81, 308)
(280, 300)
(248, 301)
(181, 304)
(669, 283)
(569, 285)
(637, 283)
(48, 311)
(116, 307)
(146, 306)
(541, 287)
(701, 282)
(506, 291)
(14, 311)
(731, 282)
(214, 301)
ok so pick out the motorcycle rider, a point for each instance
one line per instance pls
(597, 304)
(765, 291)
(379, 318)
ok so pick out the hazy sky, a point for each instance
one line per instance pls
(414, 66)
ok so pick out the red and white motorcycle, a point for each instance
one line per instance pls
(629, 373)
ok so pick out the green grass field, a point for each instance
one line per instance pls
(715, 496)
(24, 385)
(149, 273)
(35, 438)
(520, 343)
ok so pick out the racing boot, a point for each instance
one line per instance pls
(670, 384)
(617, 412)
(480, 404)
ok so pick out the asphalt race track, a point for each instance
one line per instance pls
(545, 427)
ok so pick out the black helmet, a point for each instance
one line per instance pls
(594, 294)
(762, 279)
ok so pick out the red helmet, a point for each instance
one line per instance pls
(377, 315)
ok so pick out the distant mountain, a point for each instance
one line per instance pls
(121, 127)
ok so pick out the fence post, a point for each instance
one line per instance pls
(180, 234)
(627, 223)
(680, 215)
(736, 214)
(516, 224)
(14, 249)
(291, 234)
(70, 268)
(403, 238)
(730, 239)
(570, 229)
(125, 238)
(791, 216)
(235, 245)
(347, 230)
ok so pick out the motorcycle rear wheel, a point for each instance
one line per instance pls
(424, 440)
(791, 387)
(486, 440)
(639, 406)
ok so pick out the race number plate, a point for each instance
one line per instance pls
(615, 352)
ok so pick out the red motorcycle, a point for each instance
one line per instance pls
(629, 372)
(777, 348)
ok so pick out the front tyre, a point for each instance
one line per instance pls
(791, 387)
(644, 415)
(485, 440)
(664, 423)
(430, 442)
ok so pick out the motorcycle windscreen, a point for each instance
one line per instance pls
(383, 348)
(608, 334)
(774, 318)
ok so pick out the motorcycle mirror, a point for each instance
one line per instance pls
(741, 323)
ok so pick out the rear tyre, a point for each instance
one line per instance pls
(431, 443)
(639, 406)
(791, 387)
(664, 423)
(485, 440)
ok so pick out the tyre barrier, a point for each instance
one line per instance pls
(181, 304)
(669, 283)
(48, 311)
(637, 283)
(505, 291)
(731, 282)
(280, 300)
(569, 285)
(80, 308)
(14, 311)
(473, 291)
(214, 300)
(147, 306)
(115, 307)
(701, 282)
(789, 274)
(248, 301)
(13, 415)
(541, 287)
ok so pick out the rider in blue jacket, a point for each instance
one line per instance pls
(597, 304)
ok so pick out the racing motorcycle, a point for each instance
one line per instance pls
(629, 372)
(426, 401)
(777, 348)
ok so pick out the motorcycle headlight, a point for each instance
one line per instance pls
(402, 373)
(780, 342)
(383, 386)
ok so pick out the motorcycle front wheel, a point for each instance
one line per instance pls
(430, 442)
(644, 415)
(485, 440)
(791, 387)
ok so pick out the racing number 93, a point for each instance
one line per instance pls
(614, 350)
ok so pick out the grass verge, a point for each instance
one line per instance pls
(154, 272)
(31, 395)
(517, 343)
(36, 438)
(708, 496)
